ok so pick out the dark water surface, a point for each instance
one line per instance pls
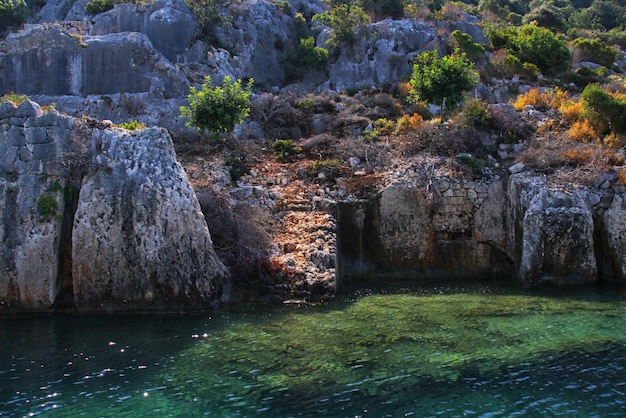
(454, 350)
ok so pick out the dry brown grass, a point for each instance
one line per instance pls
(567, 162)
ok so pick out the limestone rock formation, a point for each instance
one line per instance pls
(99, 219)
(551, 233)
(615, 227)
(382, 54)
(426, 227)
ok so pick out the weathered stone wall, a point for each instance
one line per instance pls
(521, 227)
(99, 219)
(437, 228)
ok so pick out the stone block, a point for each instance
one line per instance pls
(37, 136)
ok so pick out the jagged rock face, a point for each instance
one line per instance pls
(551, 233)
(47, 60)
(100, 219)
(383, 54)
(169, 24)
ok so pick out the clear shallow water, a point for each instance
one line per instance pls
(477, 350)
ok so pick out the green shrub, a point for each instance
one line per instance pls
(218, 109)
(607, 112)
(541, 47)
(307, 56)
(466, 44)
(443, 81)
(595, 51)
(475, 112)
(132, 125)
(47, 207)
(533, 44)
(473, 163)
(237, 165)
(343, 19)
(331, 167)
(284, 147)
(96, 7)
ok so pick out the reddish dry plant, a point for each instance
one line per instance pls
(277, 268)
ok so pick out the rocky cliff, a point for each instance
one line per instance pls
(97, 218)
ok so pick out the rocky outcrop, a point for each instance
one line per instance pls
(169, 24)
(96, 218)
(382, 54)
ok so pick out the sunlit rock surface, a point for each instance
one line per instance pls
(96, 218)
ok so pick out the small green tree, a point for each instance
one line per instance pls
(541, 47)
(442, 81)
(218, 109)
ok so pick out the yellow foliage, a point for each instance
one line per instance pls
(409, 123)
(583, 130)
(541, 100)
(621, 177)
(572, 111)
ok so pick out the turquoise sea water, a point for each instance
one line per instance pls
(452, 350)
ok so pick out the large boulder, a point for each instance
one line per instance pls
(96, 218)
(551, 233)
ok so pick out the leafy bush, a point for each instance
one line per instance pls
(541, 47)
(330, 166)
(466, 44)
(343, 19)
(307, 56)
(473, 163)
(96, 7)
(533, 44)
(218, 109)
(594, 50)
(443, 81)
